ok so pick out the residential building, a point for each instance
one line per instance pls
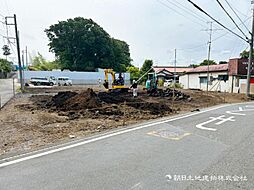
(229, 77)
(166, 73)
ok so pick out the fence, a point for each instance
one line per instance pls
(7, 90)
(78, 78)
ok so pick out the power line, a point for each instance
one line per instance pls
(2, 15)
(215, 39)
(189, 10)
(180, 6)
(231, 29)
(167, 6)
(200, 9)
(231, 18)
(237, 16)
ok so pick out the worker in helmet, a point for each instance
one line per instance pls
(134, 87)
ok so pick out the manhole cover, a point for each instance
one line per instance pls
(173, 134)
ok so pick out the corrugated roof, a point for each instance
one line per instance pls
(172, 69)
(212, 68)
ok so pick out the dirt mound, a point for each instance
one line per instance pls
(59, 100)
(117, 97)
(66, 101)
(85, 100)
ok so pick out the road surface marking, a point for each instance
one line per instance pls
(236, 112)
(120, 132)
(169, 134)
(221, 119)
(200, 126)
(137, 186)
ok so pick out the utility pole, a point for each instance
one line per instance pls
(210, 30)
(250, 56)
(26, 58)
(209, 56)
(18, 48)
(173, 99)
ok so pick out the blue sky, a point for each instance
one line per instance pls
(152, 28)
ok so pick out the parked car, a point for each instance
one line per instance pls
(44, 81)
(64, 81)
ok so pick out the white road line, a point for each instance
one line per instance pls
(138, 185)
(103, 137)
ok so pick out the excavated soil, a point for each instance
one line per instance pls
(33, 121)
(87, 103)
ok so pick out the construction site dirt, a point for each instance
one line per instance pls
(53, 116)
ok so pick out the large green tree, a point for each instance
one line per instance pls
(121, 54)
(83, 45)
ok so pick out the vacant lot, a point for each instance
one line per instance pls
(43, 117)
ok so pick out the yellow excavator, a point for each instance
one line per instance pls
(117, 83)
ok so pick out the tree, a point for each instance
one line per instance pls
(223, 62)
(134, 71)
(205, 62)
(5, 66)
(122, 55)
(83, 45)
(245, 54)
(39, 63)
(148, 64)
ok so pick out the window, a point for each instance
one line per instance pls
(203, 80)
(223, 77)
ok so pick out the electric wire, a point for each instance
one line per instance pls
(213, 40)
(189, 10)
(167, 6)
(186, 10)
(237, 16)
(200, 9)
(231, 18)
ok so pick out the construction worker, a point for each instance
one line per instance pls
(105, 84)
(134, 87)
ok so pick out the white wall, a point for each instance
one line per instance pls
(192, 81)
(88, 78)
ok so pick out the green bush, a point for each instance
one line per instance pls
(177, 85)
(160, 82)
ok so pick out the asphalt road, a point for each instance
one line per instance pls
(6, 90)
(202, 150)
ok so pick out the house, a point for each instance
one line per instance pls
(165, 73)
(196, 78)
(229, 77)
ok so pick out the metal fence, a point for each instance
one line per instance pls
(78, 78)
(7, 90)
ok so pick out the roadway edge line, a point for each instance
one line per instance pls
(6, 161)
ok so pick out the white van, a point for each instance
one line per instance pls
(64, 81)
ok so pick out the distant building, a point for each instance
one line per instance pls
(165, 73)
(229, 77)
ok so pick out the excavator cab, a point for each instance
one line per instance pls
(117, 81)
